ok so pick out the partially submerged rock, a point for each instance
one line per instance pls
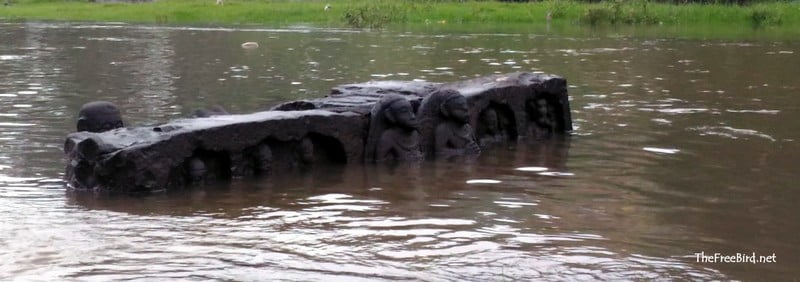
(339, 129)
(170, 155)
(99, 116)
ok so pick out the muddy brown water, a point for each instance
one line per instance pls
(681, 146)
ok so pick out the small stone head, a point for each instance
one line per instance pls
(455, 107)
(544, 113)
(305, 150)
(399, 112)
(99, 116)
(541, 106)
(263, 158)
(197, 170)
(490, 120)
(83, 173)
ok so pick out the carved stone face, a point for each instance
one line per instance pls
(99, 117)
(401, 114)
(541, 106)
(545, 113)
(197, 170)
(84, 174)
(489, 119)
(305, 150)
(263, 158)
(457, 109)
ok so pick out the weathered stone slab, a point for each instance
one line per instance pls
(360, 97)
(298, 135)
(514, 96)
(145, 159)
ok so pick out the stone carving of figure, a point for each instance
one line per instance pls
(304, 153)
(207, 167)
(393, 135)
(197, 171)
(99, 116)
(446, 130)
(543, 116)
(263, 159)
(84, 155)
(490, 130)
(256, 160)
(83, 174)
(454, 137)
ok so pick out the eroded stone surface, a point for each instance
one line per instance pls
(99, 116)
(361, 97)
(348, 126)
(169, 156)
(445, 129)
(393, 135)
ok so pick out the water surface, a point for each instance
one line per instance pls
(681, 146)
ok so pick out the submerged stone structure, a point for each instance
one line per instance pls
(377, 121)
(445, 129)
(393, 134)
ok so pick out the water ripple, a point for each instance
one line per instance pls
(730, 132)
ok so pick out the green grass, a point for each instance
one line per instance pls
(173, 11)
(379, 13)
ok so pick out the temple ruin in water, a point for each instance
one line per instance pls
(372, 122)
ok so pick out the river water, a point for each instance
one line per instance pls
(681, 146)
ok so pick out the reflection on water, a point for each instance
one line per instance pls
(680, 146)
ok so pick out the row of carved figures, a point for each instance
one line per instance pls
(439, 128)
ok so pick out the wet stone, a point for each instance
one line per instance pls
(372, 122)
(393, 135)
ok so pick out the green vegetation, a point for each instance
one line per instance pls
(379, 13)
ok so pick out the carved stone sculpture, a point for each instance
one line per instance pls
(262, 159)
(197, 170)
(491, 130)
(323, 133)
(208, 167)
(82, 169)
(256, 160)
(303, 154)
(542, 117)
(393, 135)
(99, 116)
(446, 116)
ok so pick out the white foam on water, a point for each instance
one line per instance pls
(11, 57)
(730, 132)
(483, 181)
(16, 124)
(532, 168)
(555, 173)
(770, 112)
(661, 150)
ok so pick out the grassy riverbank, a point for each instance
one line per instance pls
(379, 13)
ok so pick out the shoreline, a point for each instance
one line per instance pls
(383, 13)
(695, 21)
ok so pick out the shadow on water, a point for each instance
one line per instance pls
(395, 182)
